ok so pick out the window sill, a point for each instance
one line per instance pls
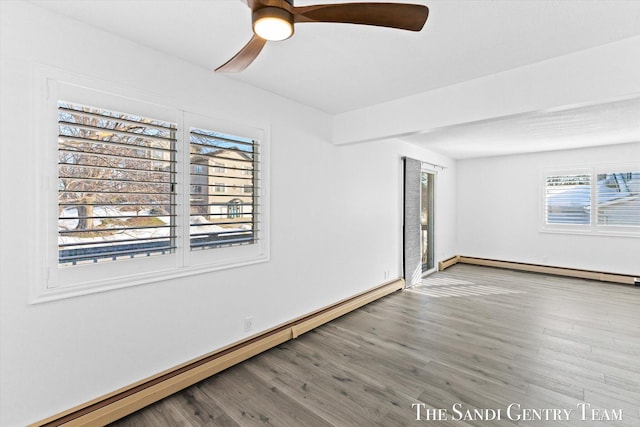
(590, 232)
(98, 286)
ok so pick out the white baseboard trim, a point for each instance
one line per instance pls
(627, 279)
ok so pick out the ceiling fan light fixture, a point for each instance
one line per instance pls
(273, 23)
(273, 20)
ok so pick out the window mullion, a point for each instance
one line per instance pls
(594, 200)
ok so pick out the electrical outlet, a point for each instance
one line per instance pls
(386, 275)
(248, 324)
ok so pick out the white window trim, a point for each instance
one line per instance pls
(592, 229)
(49, 281)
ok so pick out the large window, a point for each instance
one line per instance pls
(144, 192)
(116, 196)
(602, 200)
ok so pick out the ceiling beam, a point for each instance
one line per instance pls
(594, 75)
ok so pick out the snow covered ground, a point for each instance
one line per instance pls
(199, 226)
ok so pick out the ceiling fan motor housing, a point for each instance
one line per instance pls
(274, 14)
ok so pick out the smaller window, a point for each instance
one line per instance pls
(228, 215)
(568, 199)
(219, 168)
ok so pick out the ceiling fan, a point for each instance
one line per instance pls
(273, 20)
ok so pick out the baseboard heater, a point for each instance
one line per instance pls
(536, 268)
(125, 401)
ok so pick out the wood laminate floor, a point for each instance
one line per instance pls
(467, 338)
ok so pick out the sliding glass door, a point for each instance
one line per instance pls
(427, 184)
(418, 246)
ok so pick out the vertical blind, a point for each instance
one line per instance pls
(412, 232)
(117, 175)
(224, 189)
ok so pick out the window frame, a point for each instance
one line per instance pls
(50, 281)
(593, 227)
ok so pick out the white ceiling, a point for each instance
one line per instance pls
(337, 68)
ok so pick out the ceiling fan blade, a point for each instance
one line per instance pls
(393, 15)
(244, 58)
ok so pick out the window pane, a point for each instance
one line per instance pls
(223, 200)
(618, 199)
(116, 185)
(568, 199)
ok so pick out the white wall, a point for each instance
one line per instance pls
(335, 227)
(369, 175)
(499, 212)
